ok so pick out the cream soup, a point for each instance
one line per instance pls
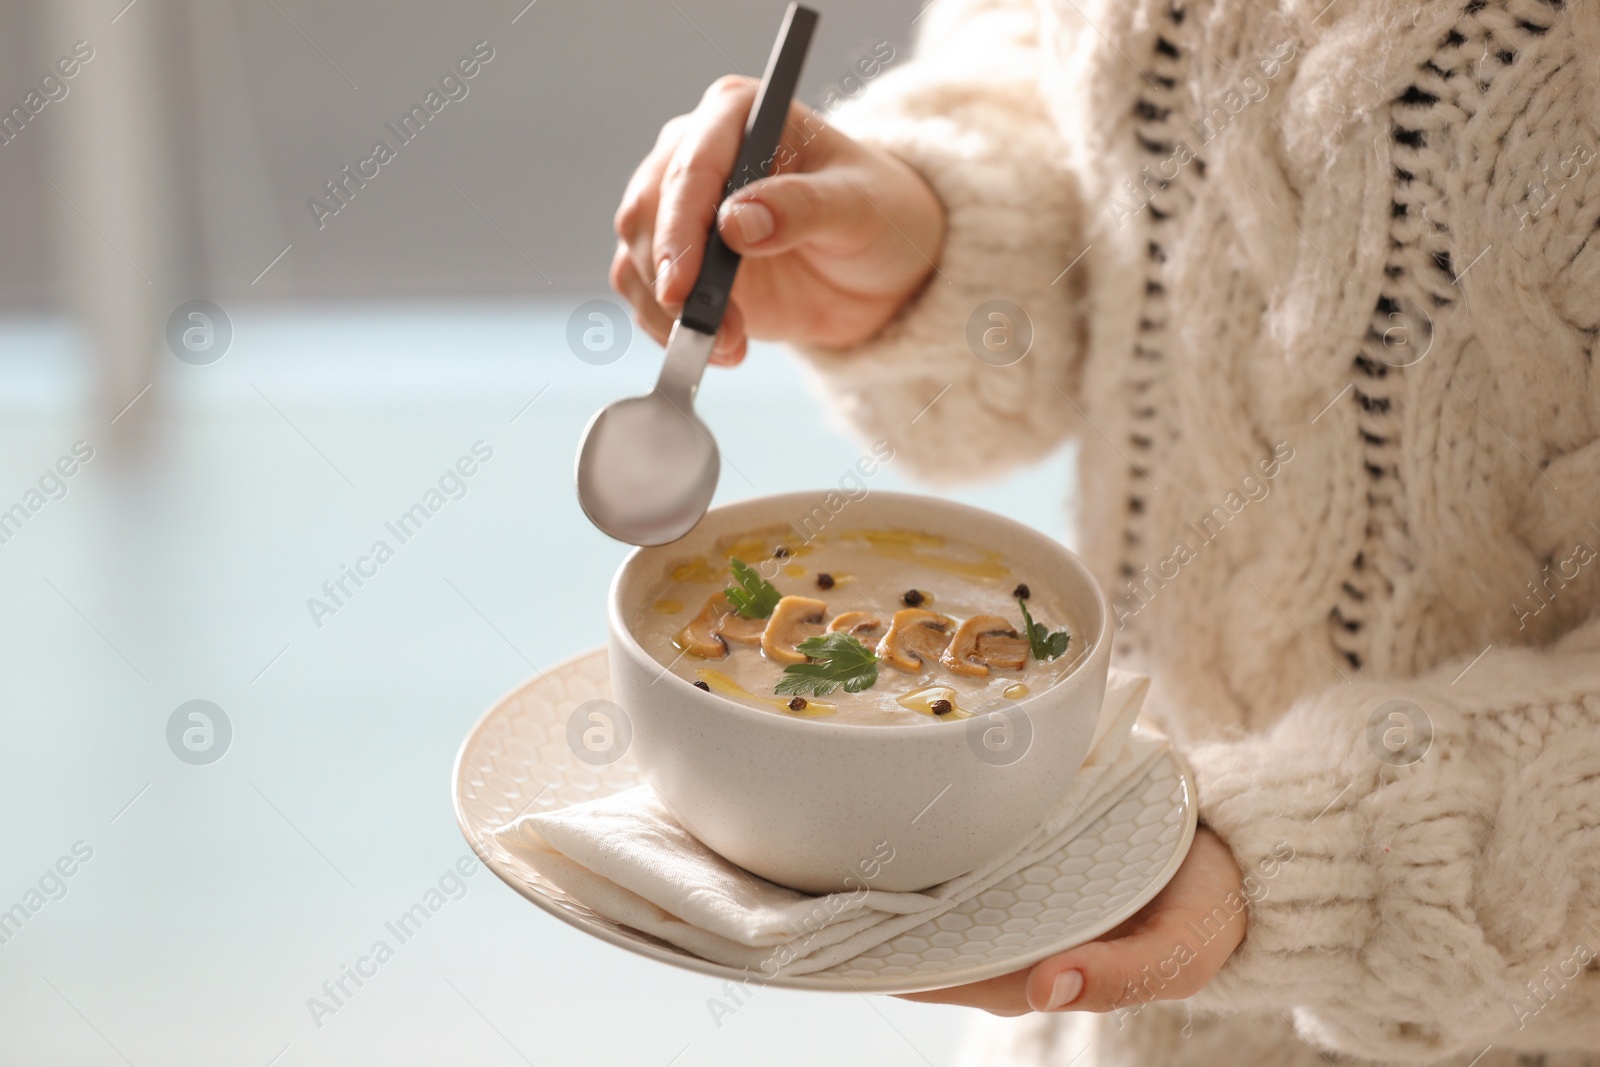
(928, 629)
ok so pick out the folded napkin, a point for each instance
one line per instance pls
(626, 858)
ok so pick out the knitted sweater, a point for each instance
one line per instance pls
(1316, 288)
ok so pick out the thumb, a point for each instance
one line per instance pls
(780, 213)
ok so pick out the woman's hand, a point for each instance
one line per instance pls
(833, 242)
(1168, 951)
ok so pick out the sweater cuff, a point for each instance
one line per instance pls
(979, 371)
(1287, 813)
(1384, 831)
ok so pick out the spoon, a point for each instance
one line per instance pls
(647, 465)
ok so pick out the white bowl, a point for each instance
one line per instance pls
(826, 806)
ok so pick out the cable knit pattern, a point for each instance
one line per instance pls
(1326, 346)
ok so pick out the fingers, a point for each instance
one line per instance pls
(671, 204)
(1169, 952)
(692, 184)
(667, 211)
(1106, 975)
(732, 341)
(635, 221)
(999, 996)
(780, 213)
(1156, 963)
(625, 279)
(1101, 976)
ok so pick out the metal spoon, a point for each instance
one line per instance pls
(647, 466)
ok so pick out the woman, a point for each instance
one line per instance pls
(1316, 288)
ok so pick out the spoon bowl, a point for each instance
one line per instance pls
(647, 469)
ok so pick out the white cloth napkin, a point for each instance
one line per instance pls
(625, 857)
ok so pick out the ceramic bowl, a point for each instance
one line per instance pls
(826, 806)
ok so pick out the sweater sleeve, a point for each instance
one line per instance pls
(1422, 858)
(937, 382)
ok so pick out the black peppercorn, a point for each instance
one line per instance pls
(941, 707)
(797, 704)
(824, 581)
(702, 685)
(912, 598)
(1021, 592)
(781, 552)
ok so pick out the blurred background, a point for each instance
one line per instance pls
(244, 387)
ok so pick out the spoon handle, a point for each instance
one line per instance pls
(762, 131)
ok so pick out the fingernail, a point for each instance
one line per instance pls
(753, 219)
(1066, 989)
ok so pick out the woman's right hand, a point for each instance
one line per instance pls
(834, 242)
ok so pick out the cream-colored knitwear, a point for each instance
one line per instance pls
(1316, 287)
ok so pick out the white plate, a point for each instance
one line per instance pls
(516, 760)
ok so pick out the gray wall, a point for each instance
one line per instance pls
(264, 100)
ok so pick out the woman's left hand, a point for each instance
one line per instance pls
(1168, 951)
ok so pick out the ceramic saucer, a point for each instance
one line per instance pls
(517, 760)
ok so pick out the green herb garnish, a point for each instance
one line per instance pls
(751, 595)
(1045, 645)
(837, 659)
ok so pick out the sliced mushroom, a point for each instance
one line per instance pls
(984, 641)
(916, 636)
(1008, 652)
(862, 625)
(738, 629)
(700, 637)
(793, 620)
(719, 622)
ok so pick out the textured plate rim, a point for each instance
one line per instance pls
(641, 944)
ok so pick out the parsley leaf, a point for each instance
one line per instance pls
(838, 659)
(1045, 645)
(752, 595)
